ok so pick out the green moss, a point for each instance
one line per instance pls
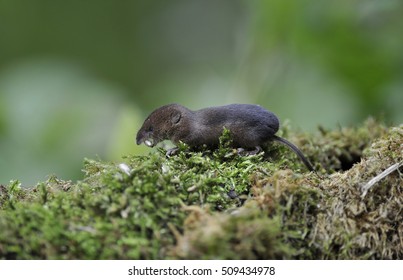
(218, 205)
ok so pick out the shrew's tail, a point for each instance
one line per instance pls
(296, 150)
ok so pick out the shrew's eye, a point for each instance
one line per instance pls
(150, 129)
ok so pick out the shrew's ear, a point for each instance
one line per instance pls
(176, 117)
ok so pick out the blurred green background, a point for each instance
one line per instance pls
(77, 78)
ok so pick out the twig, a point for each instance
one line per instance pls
(379, 177)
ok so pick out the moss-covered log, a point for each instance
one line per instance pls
(219, 205)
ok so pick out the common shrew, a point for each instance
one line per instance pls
(250, 126)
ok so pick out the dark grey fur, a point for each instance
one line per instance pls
(251, 126)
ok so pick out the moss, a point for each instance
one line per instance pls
(342, 148)
(219, 205)
(245, 234)
(371, 226)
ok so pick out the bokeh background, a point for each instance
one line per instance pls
(77, 78)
